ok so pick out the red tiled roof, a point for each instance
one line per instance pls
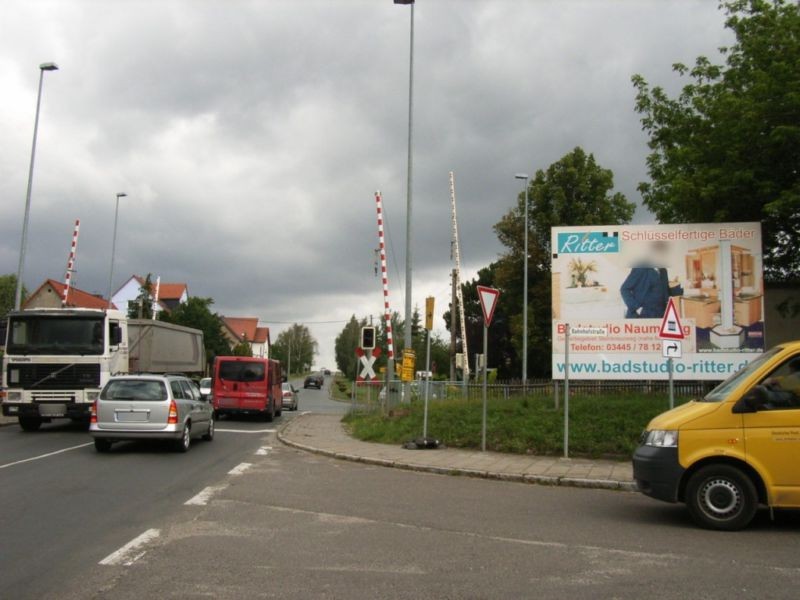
(243, 325)
(76, 298)
(166, 291)
(262, 335)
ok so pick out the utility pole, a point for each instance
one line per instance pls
(453, 347)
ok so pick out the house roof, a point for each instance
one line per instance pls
(262, 335)
(166, 291)
(243, 326)
(76, 298)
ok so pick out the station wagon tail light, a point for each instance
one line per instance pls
(287, 394)
(172, 419)
(93, 413)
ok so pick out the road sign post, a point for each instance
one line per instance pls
(672, 332)
(488, 297)
(566, 391)
(428, 326)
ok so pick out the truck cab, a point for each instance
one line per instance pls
(57, 360)
(732, 451)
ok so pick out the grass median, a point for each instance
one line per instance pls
(601, 425)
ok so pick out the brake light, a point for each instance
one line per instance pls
(287, 394)
(93, 413)
(172, 419)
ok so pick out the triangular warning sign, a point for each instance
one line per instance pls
(488, 297)
(671, 328)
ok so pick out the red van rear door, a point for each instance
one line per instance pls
(241, 384)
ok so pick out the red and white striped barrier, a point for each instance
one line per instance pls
(384, 277)
(71, 262)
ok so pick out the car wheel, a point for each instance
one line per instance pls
(182, 445)
(269, 414)
(30, 423)
(721, 497)
(209, 435)
(102, 445)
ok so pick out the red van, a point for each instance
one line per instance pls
(245, 385)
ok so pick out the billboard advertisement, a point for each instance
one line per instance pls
(612, 284)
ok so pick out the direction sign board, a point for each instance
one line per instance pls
(671, 348)
(429, 312)
(488, 297)
(671, 328)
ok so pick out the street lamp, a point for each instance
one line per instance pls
(48, 66)
(114, 246)
(525, 288)
(407, 341)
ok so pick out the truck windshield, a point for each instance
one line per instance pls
(719, 393)
(241, 371)
(55, 335)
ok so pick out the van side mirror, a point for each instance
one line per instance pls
(284, 379)
(754, 400)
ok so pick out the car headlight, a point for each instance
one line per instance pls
(14, 396)
(662, 438)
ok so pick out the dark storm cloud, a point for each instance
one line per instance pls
(251, 136)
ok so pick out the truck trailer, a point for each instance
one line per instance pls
(57, 360)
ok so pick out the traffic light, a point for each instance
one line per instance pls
(368, 338)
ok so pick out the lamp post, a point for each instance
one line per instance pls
(48, 66)
(407, 341)
(114, 247)
(525, 288)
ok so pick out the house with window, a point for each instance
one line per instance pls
(246, 329)
(51, 293)
(170, 295)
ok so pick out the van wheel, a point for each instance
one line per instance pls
(102, 445)
(30, 423)
(182, 445)
(721, 497)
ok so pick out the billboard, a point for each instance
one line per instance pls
(612, 284)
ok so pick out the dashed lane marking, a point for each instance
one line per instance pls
(132, 551)
(24, 460)
(263, 451)
(204, 495)
(240, 468)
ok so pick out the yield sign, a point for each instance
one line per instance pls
(488, 297)
(367, 363)
(671, 328)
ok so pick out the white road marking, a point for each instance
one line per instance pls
(127, 555)
(218, 430)
(204, 495)
(263, 451)
(240, 468)
(24, 460)
(305, 412)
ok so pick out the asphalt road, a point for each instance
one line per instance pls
(245, 517)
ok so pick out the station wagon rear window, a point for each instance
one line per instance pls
(241, 371)
(134, 389)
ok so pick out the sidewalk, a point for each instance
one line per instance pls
(325, 434)
(8, 421)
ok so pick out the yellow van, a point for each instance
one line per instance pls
(736, 449)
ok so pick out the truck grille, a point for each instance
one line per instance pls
(55, 377)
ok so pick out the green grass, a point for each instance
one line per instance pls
(606, 425)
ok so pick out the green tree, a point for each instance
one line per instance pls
(142, 306)
(243, 348)
(297, 341)
(727, 147)
(345, 346)
(8, 289)
(196, 312)
(574, 190)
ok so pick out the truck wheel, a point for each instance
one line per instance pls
(182, 445)
(30, 423)
(102, 445)
(721, 497)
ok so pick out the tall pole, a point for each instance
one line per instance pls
(453, 328)
(485, 381)
(114, 247)
(407, 341)
(26, 219)
(525, 290)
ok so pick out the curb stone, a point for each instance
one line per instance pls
(550, 480)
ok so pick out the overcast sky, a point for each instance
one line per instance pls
(250, 137)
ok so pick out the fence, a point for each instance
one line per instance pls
(369, 396)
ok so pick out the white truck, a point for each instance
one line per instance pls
(57, 360)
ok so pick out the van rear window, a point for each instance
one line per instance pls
(134, 389)
(241, 371)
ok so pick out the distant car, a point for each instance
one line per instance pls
(135, 407)
(291, 396)
(327, 372)
(205, 388)
(314, 380)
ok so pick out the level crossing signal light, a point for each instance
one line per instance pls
(368, 338)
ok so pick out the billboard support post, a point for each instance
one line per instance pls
(566, 391)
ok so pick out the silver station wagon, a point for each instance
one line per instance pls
(135, 407)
